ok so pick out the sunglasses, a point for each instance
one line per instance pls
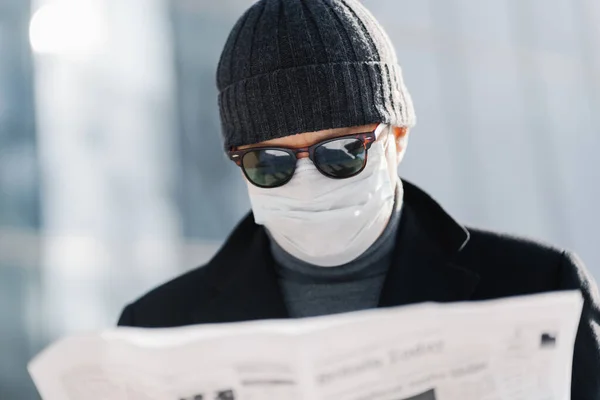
(338, 158)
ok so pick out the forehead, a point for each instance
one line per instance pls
(309, 138)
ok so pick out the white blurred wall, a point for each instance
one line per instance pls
(107, 146)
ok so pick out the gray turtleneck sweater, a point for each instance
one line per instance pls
(310, 290)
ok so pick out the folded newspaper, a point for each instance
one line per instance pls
(517, 348)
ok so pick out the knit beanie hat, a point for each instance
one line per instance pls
(294, 66)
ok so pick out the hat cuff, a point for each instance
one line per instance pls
(313, 98)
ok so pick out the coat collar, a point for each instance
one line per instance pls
(243, 283)
(425, 267)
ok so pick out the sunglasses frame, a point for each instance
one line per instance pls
(366, 138)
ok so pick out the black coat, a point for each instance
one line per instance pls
(436, 259)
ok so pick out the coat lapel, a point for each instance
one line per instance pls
(423, 270)
(243, 284)
(244, 281)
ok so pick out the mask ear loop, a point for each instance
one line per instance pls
(382, 135)
(379, 130)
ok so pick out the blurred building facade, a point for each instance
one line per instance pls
(112, 176)
(19, 199)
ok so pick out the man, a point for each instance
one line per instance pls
(315, 113)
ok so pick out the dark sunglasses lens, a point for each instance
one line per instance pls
(341, 158)
(268, 168)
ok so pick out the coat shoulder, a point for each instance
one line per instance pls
(170, 304)
(501, 245)
(175, 302)
(512, 265)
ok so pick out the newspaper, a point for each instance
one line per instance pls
(517, 348)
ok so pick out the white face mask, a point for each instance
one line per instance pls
(330, 222)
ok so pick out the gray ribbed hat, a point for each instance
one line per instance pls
(293, 66)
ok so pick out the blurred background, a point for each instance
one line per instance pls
(112, 178)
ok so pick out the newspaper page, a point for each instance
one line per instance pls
(516, 348)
